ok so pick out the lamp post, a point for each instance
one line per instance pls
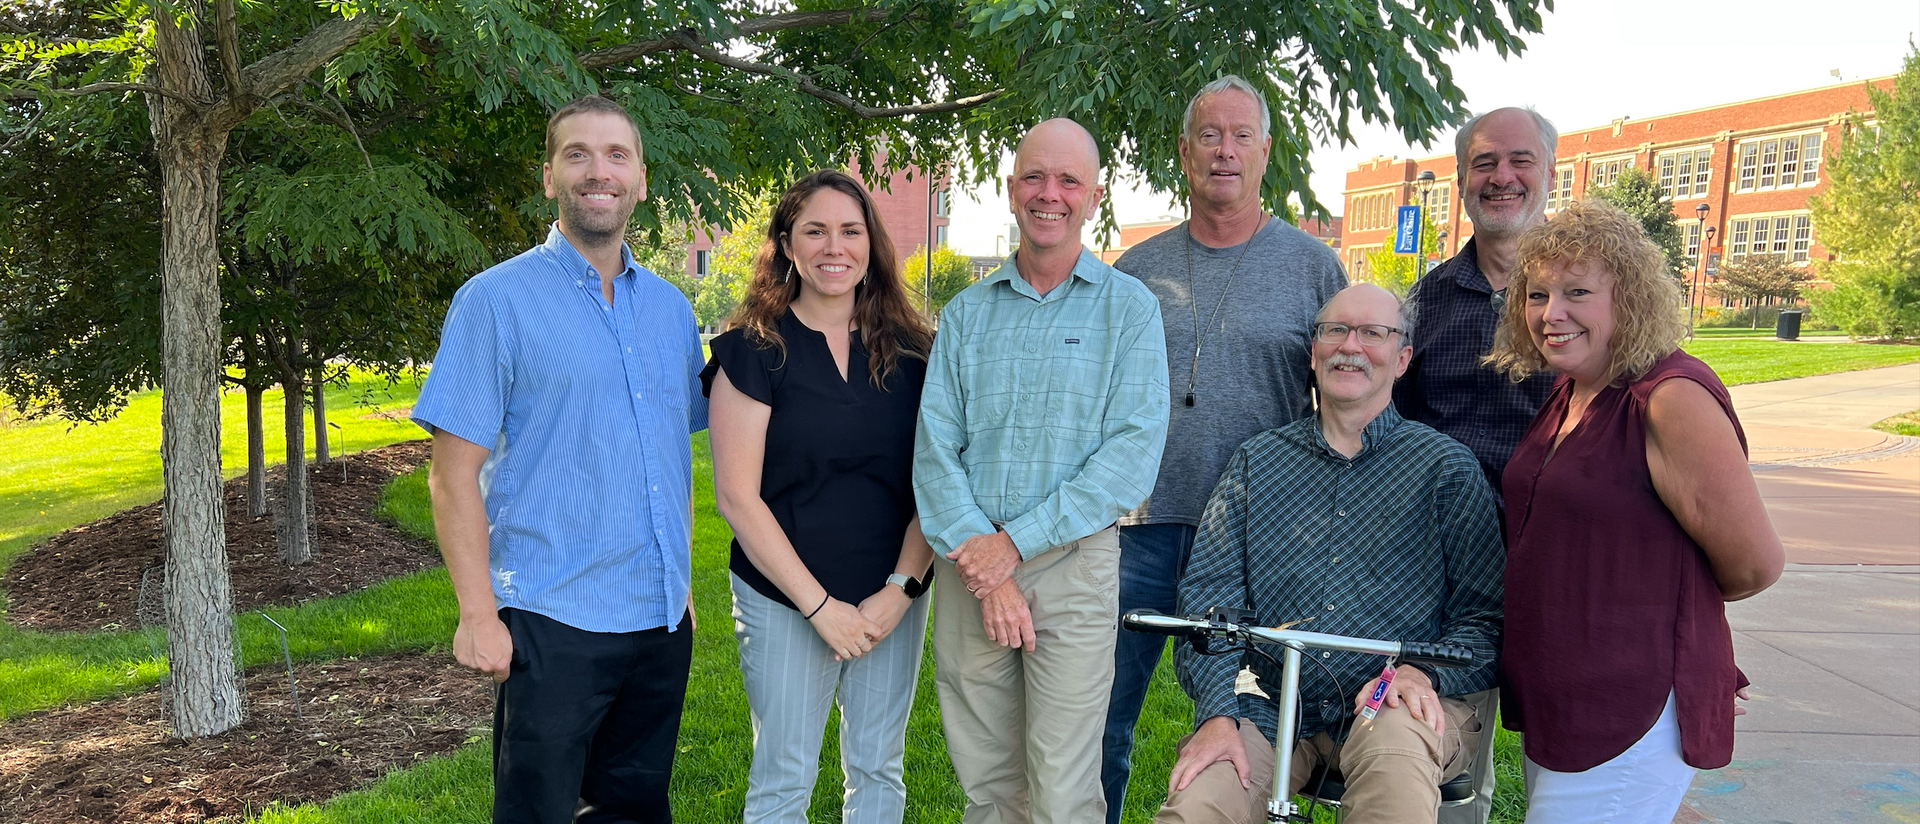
(1699, 268)
(1422, 183)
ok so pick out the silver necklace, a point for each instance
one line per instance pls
(1193, 302)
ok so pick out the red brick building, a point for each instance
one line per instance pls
(904, 205)
(1754, 164)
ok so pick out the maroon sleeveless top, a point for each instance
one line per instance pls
(1609, 604)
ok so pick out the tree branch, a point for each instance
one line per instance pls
(629, 52)
(228, 34)
(806, 84)
(98, 88)
(276, 73)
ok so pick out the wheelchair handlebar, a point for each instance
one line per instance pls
(1435, 654)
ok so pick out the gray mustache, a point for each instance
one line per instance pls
(1359, 362)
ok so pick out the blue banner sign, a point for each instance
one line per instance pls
(1406, 234)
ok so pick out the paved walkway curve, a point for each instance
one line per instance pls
(1833, 649)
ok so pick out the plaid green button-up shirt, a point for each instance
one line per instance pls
(1042, 413)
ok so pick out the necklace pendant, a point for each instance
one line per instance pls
(1189, 398)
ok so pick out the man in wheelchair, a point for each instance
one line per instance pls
(1356, 522)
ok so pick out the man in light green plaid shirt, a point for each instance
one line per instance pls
(1042, 421)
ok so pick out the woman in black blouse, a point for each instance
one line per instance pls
(815, 390)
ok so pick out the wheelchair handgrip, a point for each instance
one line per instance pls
(1439, 655)
(1146, 620)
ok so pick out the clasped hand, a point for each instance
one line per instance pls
(985, 562)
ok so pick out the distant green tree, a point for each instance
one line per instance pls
(730, 268)
(1755, 278)
(1396, 273)
(952, 272)
(1871, 215)
(1637, 193)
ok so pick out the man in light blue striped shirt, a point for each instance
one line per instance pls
(1042, 421)
(560, 402)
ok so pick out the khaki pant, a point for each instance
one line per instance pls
(1024, 730)
(1393, 769)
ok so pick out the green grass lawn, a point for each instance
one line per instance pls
(1755, 361)
(55, 474)
(1905, 423)
(1765, 332)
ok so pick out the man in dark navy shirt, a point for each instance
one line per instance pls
(1504, 159)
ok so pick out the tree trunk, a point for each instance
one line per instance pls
(256, 454)
(320, 454)
(205, 695)
(294, 521)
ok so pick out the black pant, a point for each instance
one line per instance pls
(587, 718)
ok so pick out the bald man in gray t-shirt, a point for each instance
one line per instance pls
(1238, 290)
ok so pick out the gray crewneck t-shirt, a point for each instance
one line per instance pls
(1252, 374)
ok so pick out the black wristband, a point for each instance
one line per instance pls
(816, 610)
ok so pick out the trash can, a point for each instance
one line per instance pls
(1787, 325)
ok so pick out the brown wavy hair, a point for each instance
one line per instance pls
(889, 326)
(1647, 304)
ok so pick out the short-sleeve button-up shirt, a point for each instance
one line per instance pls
(587, 407)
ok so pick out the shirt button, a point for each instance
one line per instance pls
(1326, 655)
(630, 351)
(1022, 446)
(1342, 513)
(1336, 559)
(1329, 607)
(638, 395)
(656, 487)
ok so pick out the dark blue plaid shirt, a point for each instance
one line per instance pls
(1400, 543)
(1446, 387)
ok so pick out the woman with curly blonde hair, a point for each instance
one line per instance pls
(816, 392)
(1631, 517)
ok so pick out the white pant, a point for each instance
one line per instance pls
(792, 680)
(1643, 785)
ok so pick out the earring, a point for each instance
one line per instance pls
(789, 273)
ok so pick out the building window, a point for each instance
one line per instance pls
(1560, 189)
(701, 258)
(1440, 203)
(1691, 232)
(1779, 163)
(939, 236)
(1603, 172)
(1684, 174)
(1788, 236)
(940, 204)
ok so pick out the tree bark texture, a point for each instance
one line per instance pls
(293, 519)
(205, 694)
(256, 454)
(320, 453)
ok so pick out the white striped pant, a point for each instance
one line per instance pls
(792, 682)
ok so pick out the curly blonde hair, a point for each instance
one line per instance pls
(1647, 303)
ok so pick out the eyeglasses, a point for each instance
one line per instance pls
(1371, 334)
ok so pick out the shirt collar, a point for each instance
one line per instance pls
(1088, 268)
(575, 263)
(1374, 434)
(1466, 269)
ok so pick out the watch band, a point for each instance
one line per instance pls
(907, 584)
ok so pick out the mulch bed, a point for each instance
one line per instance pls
(114, 760)
(89, 577)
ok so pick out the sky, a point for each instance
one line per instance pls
(1594, 61)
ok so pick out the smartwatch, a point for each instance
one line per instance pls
(913, 588)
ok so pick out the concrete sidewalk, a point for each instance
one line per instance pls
(1833, 731)
(1838, 492)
